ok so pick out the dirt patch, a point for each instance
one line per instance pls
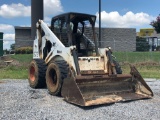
(7, 60)
(1, 82)
(149, 63)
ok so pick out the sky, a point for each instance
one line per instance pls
(115, 13)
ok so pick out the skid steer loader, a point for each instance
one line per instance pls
(67, 60)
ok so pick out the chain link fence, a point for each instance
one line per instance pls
(133, 51)
(124, 50)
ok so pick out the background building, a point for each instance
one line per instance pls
(151, 36)
(120, 39)
(23, 37)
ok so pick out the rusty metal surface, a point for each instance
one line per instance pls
(137, 76)
(89, 78)
(114, 98)
(103, 89)
(86, 72)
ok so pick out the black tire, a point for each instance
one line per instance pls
(55, 74)
(117, 67)
(36, 73)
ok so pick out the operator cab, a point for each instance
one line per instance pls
(76, 29)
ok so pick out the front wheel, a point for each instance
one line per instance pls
(56, 72)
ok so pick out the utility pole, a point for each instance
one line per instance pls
(36, 14)
(99, 23)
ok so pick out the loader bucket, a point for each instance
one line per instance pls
(103, 89)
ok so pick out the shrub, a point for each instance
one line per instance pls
(17, 51)
(158, 48)
(29, 50)
(24, 50)
(142, 44)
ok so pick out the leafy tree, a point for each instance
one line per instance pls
(6, 51)
(12, 46)
(156, 24)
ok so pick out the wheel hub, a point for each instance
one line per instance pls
(32, 74)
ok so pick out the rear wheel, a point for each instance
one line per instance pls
(36, 73)
(56, 72)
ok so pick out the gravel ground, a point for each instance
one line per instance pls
(20, 102)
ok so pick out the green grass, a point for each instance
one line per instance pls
(147, 63)
(134, 57)
(13, 73)
(145, 71)
(19, 71)
(23, 58)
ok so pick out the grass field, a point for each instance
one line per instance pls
(136, 57)
(18, 71)
(23, 58)
(147, 63)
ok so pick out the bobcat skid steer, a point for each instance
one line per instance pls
(67, 60)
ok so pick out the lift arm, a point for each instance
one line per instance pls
(49, 35)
